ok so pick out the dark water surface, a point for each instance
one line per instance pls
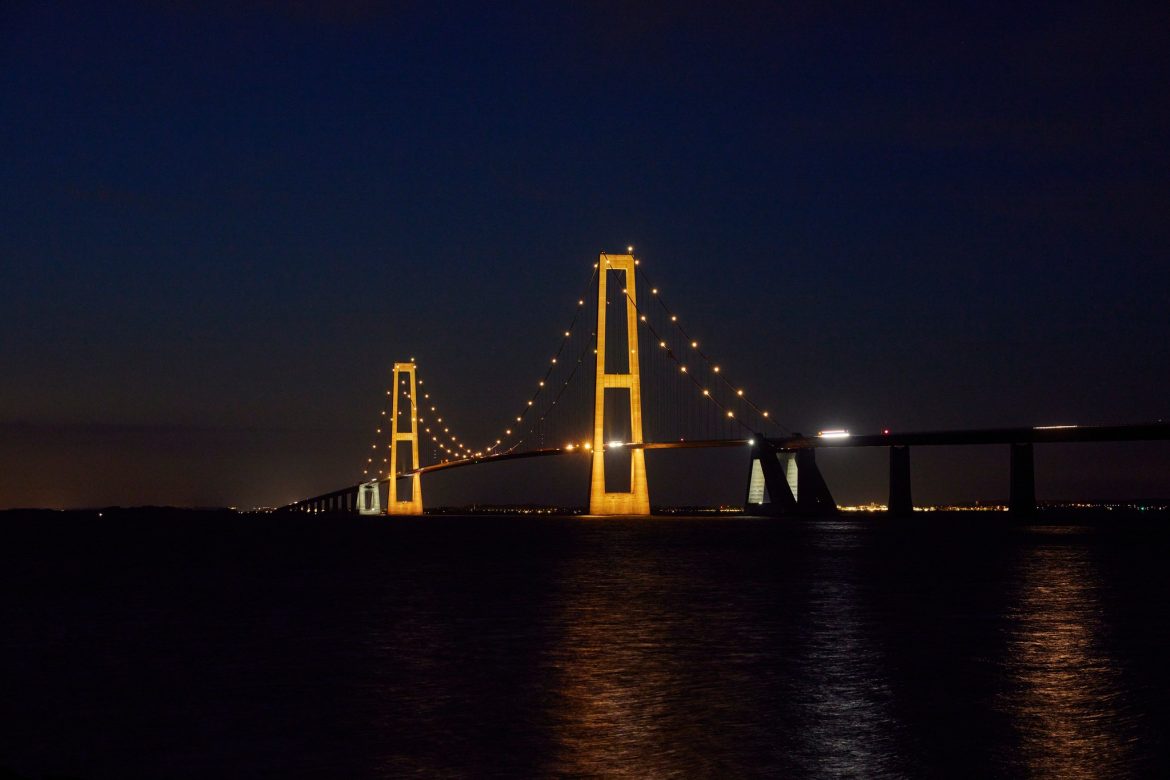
(204, 645)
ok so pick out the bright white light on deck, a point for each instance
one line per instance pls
(838, 434)
(752, 441)
(616, 443)
(1052, 427)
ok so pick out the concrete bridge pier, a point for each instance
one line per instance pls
(772, 482)
(1022, 497)
(813, 496)
(369, 499)
(900, 502)
(784, 483)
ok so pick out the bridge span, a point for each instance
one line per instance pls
(785, 480)
(783, 477)
(621, 327)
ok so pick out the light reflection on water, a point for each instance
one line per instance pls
(848, 726)
(670, 669)
(683, 647)
(662, 649)
(1063, 690)
(620, 702)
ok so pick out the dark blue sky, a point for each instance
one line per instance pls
(222, 222)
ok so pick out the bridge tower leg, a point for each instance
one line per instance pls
(901, 502)
(413, 504)
(637, 500)
(1022, 498)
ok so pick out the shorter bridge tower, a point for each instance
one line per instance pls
(637, 500)
(412, 504)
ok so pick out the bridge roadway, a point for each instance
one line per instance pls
(649, 445)
(349, 490)
(785, 479)
(1041, 434)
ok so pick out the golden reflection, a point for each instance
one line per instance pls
(1064, 693)
(668, 670)
(615, 709)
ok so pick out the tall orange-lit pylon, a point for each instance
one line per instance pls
(412, 505)
(637, 501)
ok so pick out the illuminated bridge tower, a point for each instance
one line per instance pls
(637, 500)
(412, 504)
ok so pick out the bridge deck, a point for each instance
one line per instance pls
(1042, 434)
(649, 445)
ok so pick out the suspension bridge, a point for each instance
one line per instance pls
(624, 346)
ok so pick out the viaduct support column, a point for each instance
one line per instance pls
(900, 501)
(1022, 499)
(412, 504)
(637, 500)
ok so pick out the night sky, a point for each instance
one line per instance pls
(220, 224)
